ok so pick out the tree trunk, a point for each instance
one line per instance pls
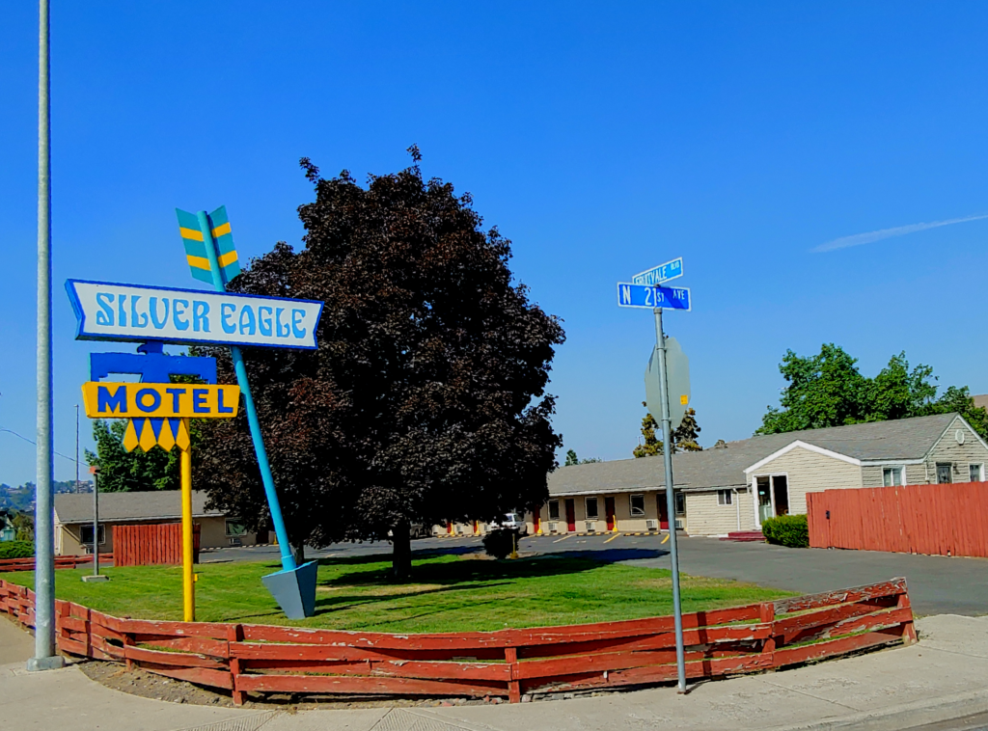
(298, 551)
(401, 559)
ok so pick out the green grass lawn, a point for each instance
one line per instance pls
(447, 593)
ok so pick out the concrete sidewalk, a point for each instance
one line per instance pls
(944, 676)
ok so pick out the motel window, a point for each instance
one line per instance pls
(943, 473)
(87, 534)
(637, 505)
(977, 472)
(591, 508)
(235, 528)
(553, 510)
(724, 497)
(892, 476)
(680, 503)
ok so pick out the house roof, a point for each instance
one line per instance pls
(117, 507)
(879, 441)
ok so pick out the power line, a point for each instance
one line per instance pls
(21, 436)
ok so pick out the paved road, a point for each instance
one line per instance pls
(937, 584)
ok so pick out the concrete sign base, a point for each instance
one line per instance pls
(294, 590)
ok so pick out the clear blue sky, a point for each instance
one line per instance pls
(601, 138)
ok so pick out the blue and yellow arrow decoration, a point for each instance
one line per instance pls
(218, 233)
(165, 433)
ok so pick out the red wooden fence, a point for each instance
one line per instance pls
(945, 520)
(245, 658)
(154, 543)
(61, 562)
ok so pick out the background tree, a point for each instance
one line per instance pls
(684, 437)
(425, 400)
(828, 390)
(572, 459)
(123, 471)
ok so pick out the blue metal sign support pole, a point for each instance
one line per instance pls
(287, 559)
(45, 657)
(660, 344)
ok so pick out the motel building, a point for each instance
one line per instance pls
(735, 487)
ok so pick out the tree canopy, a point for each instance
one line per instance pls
(123, 471)
(425, 401)
(828, 389)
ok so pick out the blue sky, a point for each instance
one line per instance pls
(601, 138)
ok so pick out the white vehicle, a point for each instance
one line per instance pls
(512, 521)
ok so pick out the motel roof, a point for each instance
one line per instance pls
(118, 507)
(871, 443)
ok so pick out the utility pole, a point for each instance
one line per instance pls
(660, 344)
(45, 657)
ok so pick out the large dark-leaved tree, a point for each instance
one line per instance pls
(425, 401)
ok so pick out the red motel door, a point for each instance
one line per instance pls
(571, 516)
(663, 510)
(609, 512)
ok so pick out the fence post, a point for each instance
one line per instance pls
(766, 615)
(908, 627)
(514, 686)
(235, 633)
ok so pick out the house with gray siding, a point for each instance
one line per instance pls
(737, 487)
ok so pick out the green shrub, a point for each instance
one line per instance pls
(16, 549)
(500, 543)
(787, 530)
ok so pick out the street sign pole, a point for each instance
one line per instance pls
(660, 344)
(188, 577)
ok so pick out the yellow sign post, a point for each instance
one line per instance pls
(159, 415)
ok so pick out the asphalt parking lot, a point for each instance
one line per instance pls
(937, 584)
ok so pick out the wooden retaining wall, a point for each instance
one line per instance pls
(146, 544)
(244, 658)
(943, 520)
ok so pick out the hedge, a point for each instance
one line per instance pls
(500, 543)
(16, 549)
(787, 530)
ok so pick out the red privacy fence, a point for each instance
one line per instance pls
(148, 544)
(945, 520)
(244, 658)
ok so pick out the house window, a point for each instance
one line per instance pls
(553, 510)
(943, 473)
(87, 534)
(892, 476)
(235, 528)
(591, 508)
(724, 497)
(680, 503)
(977, 472)
(637, 505)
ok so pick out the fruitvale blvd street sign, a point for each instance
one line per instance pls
(138, 400)
(134, 312)
(678, 370)
(661, 273)
(639, 295)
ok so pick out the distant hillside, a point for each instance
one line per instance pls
(22, 497)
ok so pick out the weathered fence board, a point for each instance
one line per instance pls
(259, 659)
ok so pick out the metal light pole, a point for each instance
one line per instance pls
(660, 344)
(77, 448)
(44, 540)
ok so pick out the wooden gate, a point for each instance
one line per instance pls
(146, 544)
(943, 520)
